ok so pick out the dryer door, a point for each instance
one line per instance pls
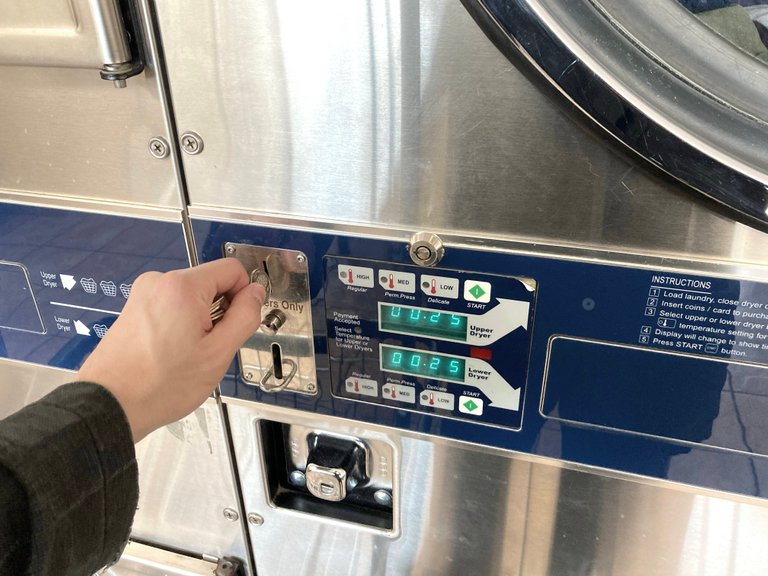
(684, 88)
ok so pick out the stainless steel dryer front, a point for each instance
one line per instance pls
(339, 130)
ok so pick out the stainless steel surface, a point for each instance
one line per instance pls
(68, 134)
(405, 116)
(22, 384)
(467, 510)
(49, 33)
(426, 249)
(141, 560)
(185, 484)
(281, 357)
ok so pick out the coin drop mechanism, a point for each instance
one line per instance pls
(280, 356)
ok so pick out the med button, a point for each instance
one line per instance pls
(397, 281)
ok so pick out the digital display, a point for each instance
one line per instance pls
(420, 363)
(423, 322)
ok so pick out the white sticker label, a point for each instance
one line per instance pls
(356, 276)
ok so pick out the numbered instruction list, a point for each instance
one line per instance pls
(723, 318)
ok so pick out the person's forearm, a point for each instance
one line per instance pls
(72, 455)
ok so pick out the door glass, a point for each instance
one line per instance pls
(744, 23)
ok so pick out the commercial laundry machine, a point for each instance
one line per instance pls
(516, 256)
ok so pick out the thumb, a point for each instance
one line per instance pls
(242, 318)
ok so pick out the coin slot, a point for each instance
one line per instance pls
(277, 361)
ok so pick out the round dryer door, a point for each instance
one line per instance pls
(684, 83)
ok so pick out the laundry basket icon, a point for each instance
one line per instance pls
(89, 285)
(100, 330)
(108, 288)
(126, 289)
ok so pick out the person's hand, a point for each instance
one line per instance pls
(163, 356)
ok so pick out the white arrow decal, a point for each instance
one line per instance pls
(67, 281)
(505, 317)
(482, 376)
(82, 329)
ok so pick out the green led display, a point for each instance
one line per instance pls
(423, 322)
(426, 364)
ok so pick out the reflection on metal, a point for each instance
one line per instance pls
(468, 510)
(186, 486)
(68, 136)
(690, 102)
(432, 140)
(73, 33)
(142, 560)
(282, 355)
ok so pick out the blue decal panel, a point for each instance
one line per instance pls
(639, 370)
(442, 342)
(65, 275)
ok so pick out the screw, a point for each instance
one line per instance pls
(249, 375)
(255, 519)
(297, 478)
(231, 514)
(230, 250)
(191, 143)
(383, 497)
(158, 147)
(311, 387)
(301, 258)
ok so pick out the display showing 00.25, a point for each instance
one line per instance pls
(424, 364)
(422, 322)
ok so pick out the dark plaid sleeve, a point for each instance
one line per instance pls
(68, 483)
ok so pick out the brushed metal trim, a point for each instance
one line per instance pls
(140, 558)
(503, 244)
(110, 208)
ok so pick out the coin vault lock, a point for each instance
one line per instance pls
(281, 355)
(334, 466)
(327, 474)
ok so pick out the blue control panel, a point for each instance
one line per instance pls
(65, 275)
(640, 370)
(441, 342)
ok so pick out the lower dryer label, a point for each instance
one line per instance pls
(443, 342)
